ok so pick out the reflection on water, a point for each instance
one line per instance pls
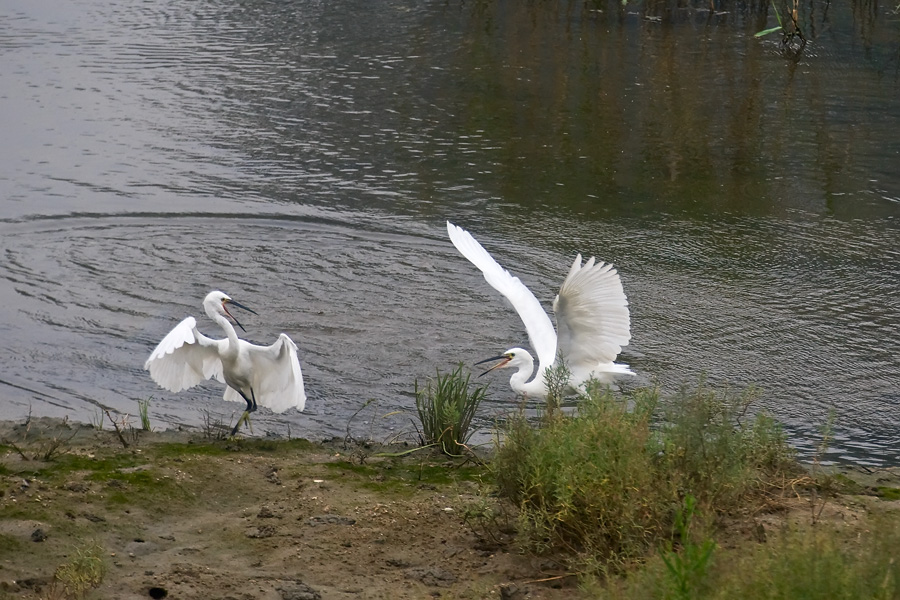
(304, 156)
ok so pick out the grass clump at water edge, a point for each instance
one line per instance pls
(144, 413)
(446, 407)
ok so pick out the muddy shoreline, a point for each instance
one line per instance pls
(180, 515)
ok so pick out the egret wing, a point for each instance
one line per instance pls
(537, 323)
(276, 377)
(591, 315)
(184, 358)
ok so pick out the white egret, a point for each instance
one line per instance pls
(591, 314)
(258, 375)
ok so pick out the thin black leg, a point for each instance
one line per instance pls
(251, 406)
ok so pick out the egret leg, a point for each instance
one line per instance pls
(245, 418)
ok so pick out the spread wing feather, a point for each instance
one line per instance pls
(275, 376)
(537, 323)
(591, 315)
(185, 358)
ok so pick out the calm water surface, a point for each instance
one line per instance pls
(304, 156)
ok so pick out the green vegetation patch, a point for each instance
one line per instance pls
(282, 447)
(130, 479)
(181, 450)
(813, 563)
(25, 510)
(888, 493)
(587, 483)
(605, 485)
(403, 477)
(841, 483)
(66, 464)
(230, 447)
(140, 477)
(146, 488)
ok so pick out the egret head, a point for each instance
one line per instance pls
(217, 303)
(514, 357)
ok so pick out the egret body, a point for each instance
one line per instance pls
(591, 315)
(266, 376)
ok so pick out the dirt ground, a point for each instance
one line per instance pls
(246, 519)
(178, 515)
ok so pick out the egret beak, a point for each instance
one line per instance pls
(238, 305)
(503, 358)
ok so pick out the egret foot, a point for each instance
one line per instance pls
(251, 407)
(245, 418)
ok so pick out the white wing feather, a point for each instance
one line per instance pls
(276, 377)
(184, 358)
(537, 323)
(592, 316)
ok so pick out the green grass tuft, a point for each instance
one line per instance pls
(144, 413)
(83, 572)
(686, 568)
(446, 408)
(556, 378)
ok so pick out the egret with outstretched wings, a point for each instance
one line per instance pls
(592, 320)
(266, 376)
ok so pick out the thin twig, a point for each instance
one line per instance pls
(118, 431)
(349, 436)
(16, 448)
(549, 578)
(404, 453)
(54, 445)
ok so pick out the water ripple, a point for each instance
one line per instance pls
(306, 154)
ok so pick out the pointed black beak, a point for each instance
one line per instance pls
(241, 306)
(503, 358)
(238, 305)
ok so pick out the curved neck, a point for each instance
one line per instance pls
(519, 380)
(229, 330)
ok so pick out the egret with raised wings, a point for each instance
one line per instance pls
(266, 376)
(591, 316)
